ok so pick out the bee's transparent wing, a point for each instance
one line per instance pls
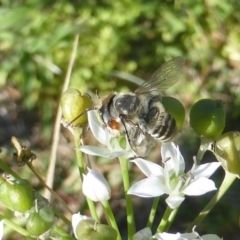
(140, 142)
(164, 77)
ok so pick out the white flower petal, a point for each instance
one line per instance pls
(148, 168)
(206, 170)
(168, 236)
(95, 186)
(144, 234)
(100, 133)
(102, 152)
(76, 218)
(176, 162)
(148, 187)
(190, 236)
(174, 201)
(199, 187)
(211, 237)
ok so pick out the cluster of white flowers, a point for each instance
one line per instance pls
(170, 178)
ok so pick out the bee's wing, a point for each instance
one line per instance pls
(140, 142)
(164, 77)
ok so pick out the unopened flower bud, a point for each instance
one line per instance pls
(95, 186)
(73, 103)
(207, 118)
(227, 150)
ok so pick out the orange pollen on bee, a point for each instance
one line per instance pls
(114, 124)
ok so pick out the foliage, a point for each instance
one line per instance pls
(130, 36)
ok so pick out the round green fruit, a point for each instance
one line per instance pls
(73, 103)
(89, 229)
(40, 222)
(207, 118)
(175, 109)
(21, 195)
(5, 189)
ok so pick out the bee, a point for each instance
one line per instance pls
(141, 114)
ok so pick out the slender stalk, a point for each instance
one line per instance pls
(77, 133)
(227, 182)
(204, 146)
(126, 184)
(56, 132)
(153, 212)
(167, 219)
(29, 164)
(7, 169)
(16, 227)
(111, 218)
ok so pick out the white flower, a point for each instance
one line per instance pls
(106, 137)
(171, 178)
(185, 236)
(95, 186)
(76, 219)
(144, 234)
(1, 229)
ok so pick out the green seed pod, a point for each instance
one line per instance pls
(21, 195)
(89, 229)
(207, 118)
(227, 150)
(73, 104)
(17, 195)
(40, 222)
(5, 189)
(175, 109)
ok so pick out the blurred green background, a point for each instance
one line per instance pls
(132, 36)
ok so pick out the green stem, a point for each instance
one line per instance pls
(227, 182)
(204, 146)
(77, 134)
(16, 227)
(126, 184)
(7, 169)
(111, 218)
(167, 219)
(153, 212)
(62, 233)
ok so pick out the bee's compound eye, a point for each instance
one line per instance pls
(126, 103)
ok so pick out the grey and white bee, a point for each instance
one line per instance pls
(141, 115)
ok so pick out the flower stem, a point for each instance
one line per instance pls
(126, 184)
(167, 219)
(227, 182)
(16, 227)
(153, 212)
(111, 218)
(204, 146)
(77, 133)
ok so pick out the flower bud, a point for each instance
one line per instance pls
(175, 109)
(227, 151)
(40, 221)
(95, 186)
(73, 104)
(89, 229)
(207, 118)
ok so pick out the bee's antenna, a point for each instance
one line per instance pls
(82, 113)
